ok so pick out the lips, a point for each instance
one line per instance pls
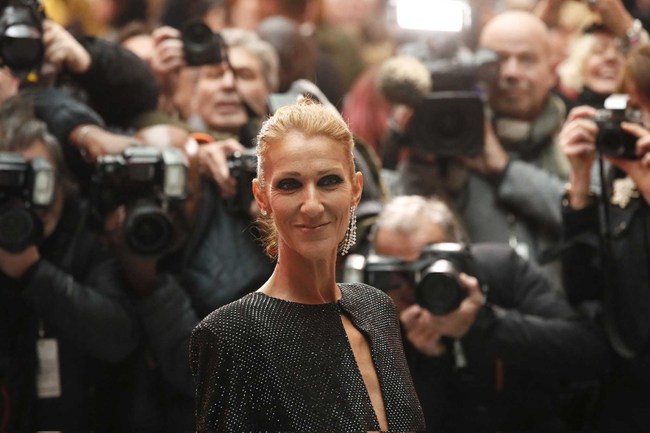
(312, 227)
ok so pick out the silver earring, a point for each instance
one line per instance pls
(350, 235)
(263, 212)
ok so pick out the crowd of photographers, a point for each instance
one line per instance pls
(505, 206)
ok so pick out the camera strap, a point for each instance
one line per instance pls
(608, 265)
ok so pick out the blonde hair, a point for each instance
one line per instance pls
(311, 119)
(572, 70)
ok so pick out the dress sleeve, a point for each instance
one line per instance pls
(210, 361)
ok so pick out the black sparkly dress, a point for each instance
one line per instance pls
(264, 364)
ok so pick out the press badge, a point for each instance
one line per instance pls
(48, 378)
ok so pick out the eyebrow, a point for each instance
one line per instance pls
(319, 173)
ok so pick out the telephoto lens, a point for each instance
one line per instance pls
(148, 230)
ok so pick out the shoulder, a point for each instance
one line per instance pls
(495, 264)
(232, 317)
(367, 303)
(363, 292)
(491, 254)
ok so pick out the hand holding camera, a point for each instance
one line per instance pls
(577, 140)
(213, 160)
(62, 50)
(638, 169)
(168, 58)
(424, 329)
(493, 158)
(613, 132)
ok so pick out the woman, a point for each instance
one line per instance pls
(593, 69)
(614, 268)
(304, 353)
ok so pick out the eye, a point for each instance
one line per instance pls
(527, 59)
(245, 74)
(331, 180)
(288, 184)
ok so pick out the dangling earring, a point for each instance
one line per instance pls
(350, 235)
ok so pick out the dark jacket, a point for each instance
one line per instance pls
(525, 342)
(618, 277)
(119, 85)
(221, 262)
(74, 294)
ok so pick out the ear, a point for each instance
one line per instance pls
(260, 197)
(357, 188)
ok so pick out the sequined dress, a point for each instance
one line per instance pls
(265, 364)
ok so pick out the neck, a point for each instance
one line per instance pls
(299, 279)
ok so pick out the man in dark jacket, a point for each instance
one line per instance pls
(495, 361)
(103, 74)
(65, 316)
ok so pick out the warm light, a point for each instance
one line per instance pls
(433, 15)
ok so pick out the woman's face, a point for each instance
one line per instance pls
(604, 65)
(308, 191)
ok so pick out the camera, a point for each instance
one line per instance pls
(151, 184)
(449, 121)
(433, 276)
(243, 167)
(24, 186)
(21, 35)
(201, 45)
(611, 139)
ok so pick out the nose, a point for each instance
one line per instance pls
(612, 53)
(510, 67)
(228, 78)
(311, 205)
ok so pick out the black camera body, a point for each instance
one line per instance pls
(434, 276)
(24, 186)
(612, 140)
(449, 121)
(243, 167)
(201, 45)
(150, 183)
(21, 35)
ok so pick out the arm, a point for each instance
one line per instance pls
(533, 192)
(531, 189)
(534, 326)
(92, 310)
(120, 86)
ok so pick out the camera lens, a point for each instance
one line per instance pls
(615, 142)
(200, 44)
(148, 229)
(22, 53)
(440, 291)
(18, 229)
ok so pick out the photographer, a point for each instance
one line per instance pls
(508, 191)
(607, 236)
(66, 315)
(116, 83)
(495, 362)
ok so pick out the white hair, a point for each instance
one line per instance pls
(406, 214)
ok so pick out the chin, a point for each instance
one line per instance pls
(316, 250)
